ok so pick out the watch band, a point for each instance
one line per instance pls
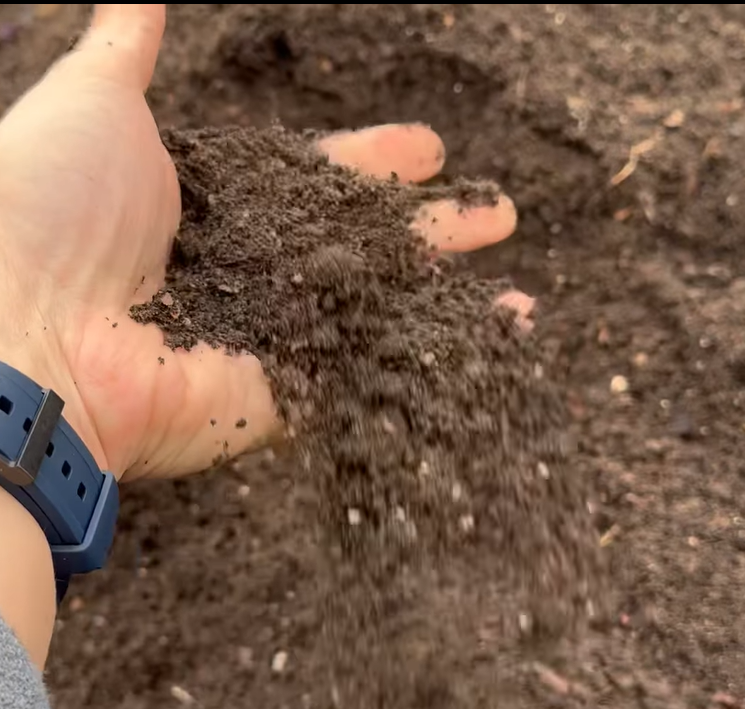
(46, 467)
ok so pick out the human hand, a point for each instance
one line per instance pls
(89, 205)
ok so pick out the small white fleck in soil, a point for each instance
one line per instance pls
(467, 523)
(279, 662)
(428, 359)
(543, 470)
(181, 695)
(354, 516)
(619, 384)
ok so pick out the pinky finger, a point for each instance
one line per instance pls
(522, 305)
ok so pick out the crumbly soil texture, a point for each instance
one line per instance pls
(401, 550)
(425, 435)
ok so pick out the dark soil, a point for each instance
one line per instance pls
(639, 277)
(426, 431)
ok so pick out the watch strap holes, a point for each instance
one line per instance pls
(6, 405)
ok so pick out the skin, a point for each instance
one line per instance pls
(89, 205)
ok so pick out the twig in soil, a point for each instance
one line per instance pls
(608, 538)
(558, 684)
(636, 152)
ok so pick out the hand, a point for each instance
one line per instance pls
(89, 204)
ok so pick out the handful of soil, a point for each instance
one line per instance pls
(421, 416)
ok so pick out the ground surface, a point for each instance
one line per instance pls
(619, 131)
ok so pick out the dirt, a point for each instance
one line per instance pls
(618, 130)
(424, 425)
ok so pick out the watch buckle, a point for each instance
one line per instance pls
(22, 471)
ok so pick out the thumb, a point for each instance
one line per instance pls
(121, 44)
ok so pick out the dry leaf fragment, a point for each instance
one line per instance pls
(675, 120)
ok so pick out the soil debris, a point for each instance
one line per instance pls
(395, 366)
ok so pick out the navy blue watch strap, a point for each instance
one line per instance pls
(46, 466)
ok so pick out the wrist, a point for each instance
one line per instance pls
(57, 509)
(40, 358)
(33, 345)
(27, 586)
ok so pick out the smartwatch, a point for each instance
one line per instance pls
(46, 467)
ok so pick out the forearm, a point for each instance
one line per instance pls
(27, 589)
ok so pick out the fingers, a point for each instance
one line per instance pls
(448, 226)
(122, 43)
(522, 305)
(413, 153)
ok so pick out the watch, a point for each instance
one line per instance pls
(46, 467)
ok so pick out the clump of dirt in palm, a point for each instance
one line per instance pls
(421, 418)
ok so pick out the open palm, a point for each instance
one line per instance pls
(89, 204)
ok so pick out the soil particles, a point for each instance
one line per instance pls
(428, 438)
(401, 550)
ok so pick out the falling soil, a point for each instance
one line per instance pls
(428, 437)
(619, 132)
